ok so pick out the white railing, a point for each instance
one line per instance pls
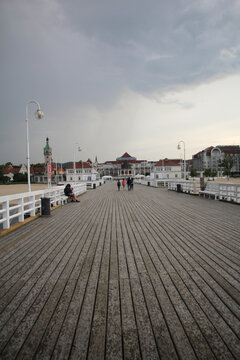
(222, 191)
(186, 186)
(151, 182)
(94, 184)
(229, 192)
(17, 206)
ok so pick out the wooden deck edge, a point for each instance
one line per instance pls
(26, 221)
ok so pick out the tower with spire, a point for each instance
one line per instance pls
(47, 151)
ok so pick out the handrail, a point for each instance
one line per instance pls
(30, 202)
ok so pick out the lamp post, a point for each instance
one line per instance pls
(184, 166)
(61, 167)
(38, 115)
(56, 181)
(74, 160)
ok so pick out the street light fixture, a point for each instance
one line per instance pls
(184, 166)
(38, 115)
(74, 164)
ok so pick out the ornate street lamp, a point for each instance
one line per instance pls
(74, 163)
(38, 115)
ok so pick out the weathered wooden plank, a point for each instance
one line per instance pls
(131, 274)
(42, 287)
(131, 348)
(146, 336)
(99, 323)
(150, 230)
(34, 272)
(82, 335)
(114, 349)
(65, 341)
(54, 300)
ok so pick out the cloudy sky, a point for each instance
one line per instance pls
(116, 76)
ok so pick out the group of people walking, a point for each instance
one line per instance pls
(129, 184)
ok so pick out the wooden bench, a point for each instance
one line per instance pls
(211, 191)
(65, 199)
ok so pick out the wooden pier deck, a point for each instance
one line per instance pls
(146, 274)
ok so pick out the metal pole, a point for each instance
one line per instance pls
(184, 165)
(28, 154)
(56, 174)
(50, 184)
(184, 162)
(74, 165)
(27, 132)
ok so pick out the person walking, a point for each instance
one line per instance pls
(118, 184)
(129, 183)
(123, 183)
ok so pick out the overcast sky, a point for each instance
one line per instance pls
(117, 76)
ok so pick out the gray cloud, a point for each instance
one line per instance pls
(85, 53)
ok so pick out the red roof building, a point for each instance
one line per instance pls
(212, 156)
(82, 171)
(168, 169)
(124, 166)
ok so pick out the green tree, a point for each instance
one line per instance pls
(213, 173)
(207, 172)
(3, 179)
(20, 177)
(37, 165)
(227, 164)
(193, 173)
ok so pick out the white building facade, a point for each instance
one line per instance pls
(167, 169)
(82, 172)
(211, 157)
(125, 166)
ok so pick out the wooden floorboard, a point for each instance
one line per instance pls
(142, 274)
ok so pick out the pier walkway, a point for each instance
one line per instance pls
(142, 274)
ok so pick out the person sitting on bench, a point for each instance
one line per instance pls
(68, 191)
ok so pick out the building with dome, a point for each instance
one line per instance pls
(125, 166)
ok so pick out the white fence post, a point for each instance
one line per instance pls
(21, 210)
(5, 207)
(32, 205)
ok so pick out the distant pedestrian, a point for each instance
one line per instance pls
(118, 184)
(123, 183)
(129, 183)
